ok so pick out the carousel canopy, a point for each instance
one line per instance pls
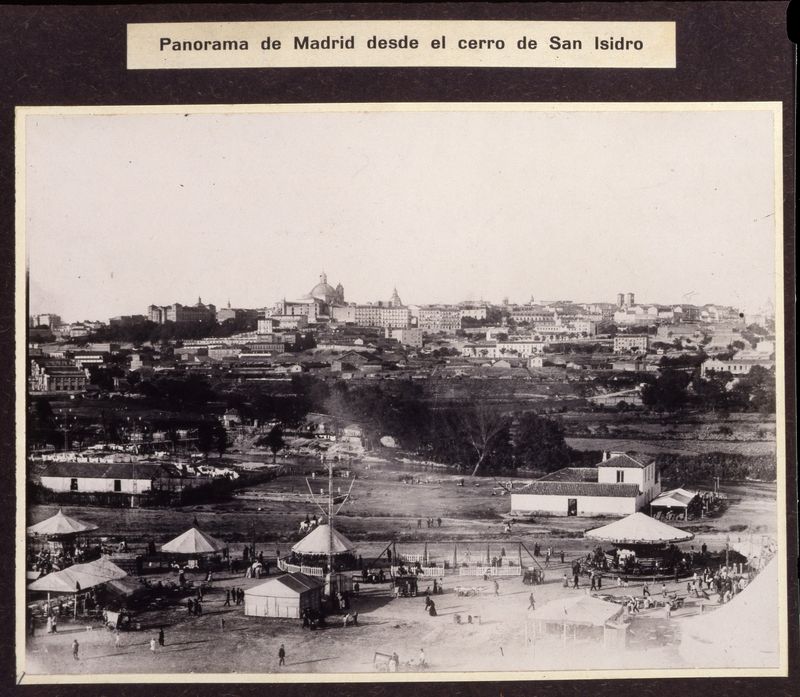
(194, 541)
(639, 528)
(743, 632)
(60, 524)
(79, 577)
(578, 609)
(318, 541)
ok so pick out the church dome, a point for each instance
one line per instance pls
(323, 291)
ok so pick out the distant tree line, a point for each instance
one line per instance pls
(677, 470)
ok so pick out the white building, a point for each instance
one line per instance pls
(618, 485)
(623, 343)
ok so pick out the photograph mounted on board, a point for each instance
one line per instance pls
(457, 391)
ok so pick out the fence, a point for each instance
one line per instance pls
(426, 570)
(299, 569)
(488, 570)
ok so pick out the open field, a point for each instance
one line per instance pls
(681, 446)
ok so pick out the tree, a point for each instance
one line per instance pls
(483, 428)
(539, 443)
(205, 438)
(220, 437)
(274, 441)
(668, 392)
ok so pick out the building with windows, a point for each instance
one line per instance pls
(182, 314)
(735, 366)
(620, 484)
(56, 375)
(433, 319)
(625, 343)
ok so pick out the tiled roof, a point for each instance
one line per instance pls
(109, 470)
(580, 489)
(571, 474)
(625, 460)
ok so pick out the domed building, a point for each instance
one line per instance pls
(315, 305)
(326, 293)
(395, 301)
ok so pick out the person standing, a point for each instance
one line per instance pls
(227, 602)
(161, 636)
(496, 587)
(281, 656)
(75, 648)
(153, 644)
(575, 580)
(562, 556)
(422, 663)
(116, 638)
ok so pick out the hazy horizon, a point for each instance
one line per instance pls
(124, 211)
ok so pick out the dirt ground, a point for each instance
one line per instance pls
(383, 508)
(499, 638)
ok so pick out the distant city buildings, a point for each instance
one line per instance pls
(182, 314)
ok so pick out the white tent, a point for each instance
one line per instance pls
(194, 541)
(639, 528)
(578, 609)
(60, 525)
(79, 577)
(744, 633)
(286, 595)
(318, 541)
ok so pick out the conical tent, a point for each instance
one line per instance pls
(194, 541)
(743, 632)
(318, 541)
(60, 525)
(639, 528)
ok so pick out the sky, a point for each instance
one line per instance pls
(124, 211)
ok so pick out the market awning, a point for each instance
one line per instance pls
(675, 498)
(639, 528)
(79, 577)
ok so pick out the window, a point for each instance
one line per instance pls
(117, 485)
(620, 476)
(73, 484)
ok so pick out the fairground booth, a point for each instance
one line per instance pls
(195, 548)
(74, 589)
(59, 541)
(287, 595)
(641, 546)
(315, 550)
(579, 618)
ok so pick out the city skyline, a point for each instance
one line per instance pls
(447, 206)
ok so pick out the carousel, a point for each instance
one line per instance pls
(322, 547)
(641, 546)
(195, 548)
(61, 541)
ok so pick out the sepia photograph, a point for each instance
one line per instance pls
(418, 391)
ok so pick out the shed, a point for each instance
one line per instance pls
(286, 595)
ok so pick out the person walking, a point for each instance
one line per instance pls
(161, 636)
(281, 656)
(75, 648)
(227, 602)
(575, 581)
(531, 602)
